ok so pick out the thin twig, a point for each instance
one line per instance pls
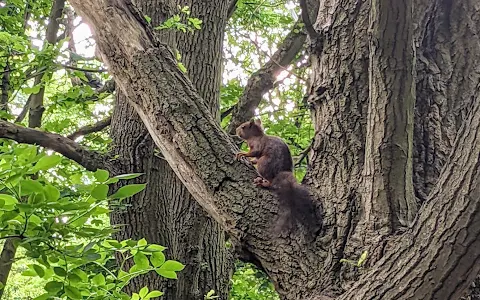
(99, 126)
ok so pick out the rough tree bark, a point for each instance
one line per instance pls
(439, 246)
(165, 212)
(438, 256)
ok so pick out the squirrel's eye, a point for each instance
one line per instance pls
(243, 127)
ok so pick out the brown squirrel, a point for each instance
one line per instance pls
(271, 154)
(275, 166)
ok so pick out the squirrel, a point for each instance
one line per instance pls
(275, 166)
(271, 154)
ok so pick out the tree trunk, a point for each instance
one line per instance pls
(434, 259)
(6, 261)
(165, 213)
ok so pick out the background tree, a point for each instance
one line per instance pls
(391, 136)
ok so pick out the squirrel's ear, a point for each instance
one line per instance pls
(258, 122)
(252, 121)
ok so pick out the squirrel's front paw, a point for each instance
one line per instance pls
(239, 155)
(259, 181)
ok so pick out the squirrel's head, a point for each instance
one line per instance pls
(250, 129)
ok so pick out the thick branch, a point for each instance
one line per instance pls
(263, 80)
(90, 160)
(389, 200)
(99, 126)
(440, 257)
(194, 145)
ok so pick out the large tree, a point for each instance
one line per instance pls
(394, 161)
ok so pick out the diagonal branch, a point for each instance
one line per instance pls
(306, 19)
(90, 160)
(99, 126)
(232, 8)
(191, 140)
(263, 80)
(36, 103)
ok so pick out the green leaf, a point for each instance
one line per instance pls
(46, 163)
(29, 272)
(154, 248)
(114, 244)
(362, 258)
(166, 274)
(182, 67)
(143, 292)
(80, 273)
(30, 186)
(99, 279)
(52, 193)
(32, 90)
(59, 271)
(135, 296)
(141, 260)
(73, 292)
(8, 200)
(171, 265)
(100, 192)
(157, 259)
(148, 19)
(128, 176)
(153, 294)
(39, 270)
(93, 256)
(128, 191)
(142, 242)
(112, 180)
(53, 286)
(43, 297)
(74, 278)
(101, 175)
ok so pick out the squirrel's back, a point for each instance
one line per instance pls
(276, 158)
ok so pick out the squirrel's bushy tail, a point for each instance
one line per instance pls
(296, 204)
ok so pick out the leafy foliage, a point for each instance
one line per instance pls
(65, 232)
(250, 283)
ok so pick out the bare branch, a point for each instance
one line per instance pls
(99, 126)
(24, 111)
(306, 19)
(232, 8)
(5, 87)
(303, 155)
(108, 87)
(36, 104)
(227, 112)
(84, 69)
(90, 160)
(263, 80)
